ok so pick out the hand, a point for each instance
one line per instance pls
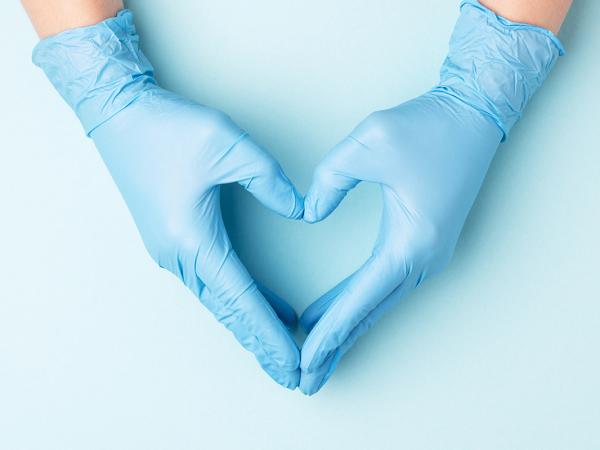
(169, 156)
(429, 156)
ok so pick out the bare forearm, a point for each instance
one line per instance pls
(53, 16)
(548, 14)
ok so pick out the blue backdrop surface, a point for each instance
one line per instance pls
(100, 349)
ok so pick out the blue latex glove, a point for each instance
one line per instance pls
(430, 156)
(168, 156)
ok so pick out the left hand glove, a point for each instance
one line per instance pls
(430, 156)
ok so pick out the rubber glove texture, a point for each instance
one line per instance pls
(429, 156)
(169, 155)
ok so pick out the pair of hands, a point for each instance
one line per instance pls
(169, 156)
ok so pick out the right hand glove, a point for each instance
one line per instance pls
(168, 156)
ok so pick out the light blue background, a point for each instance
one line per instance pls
(99, 349)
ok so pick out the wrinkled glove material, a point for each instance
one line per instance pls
(98, 70)
(169, 155)
(496, 65)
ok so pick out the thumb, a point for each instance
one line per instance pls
(263, 177)
(338, 173)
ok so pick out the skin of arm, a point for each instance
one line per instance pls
(50, 17)
(549, 14)
(53, 16)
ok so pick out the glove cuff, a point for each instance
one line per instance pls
(495, 65)
(99, 70)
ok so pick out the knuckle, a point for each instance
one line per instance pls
(421, 253)
(330, 165)
(217, 125)
(270, 168)
(429, 236)
(218, 118)
(380, 128)
(375, 123)
(431, 246)
(322, 172)
(172, 242)
(376, 116)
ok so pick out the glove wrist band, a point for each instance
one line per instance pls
(99, 70)
(495, 65)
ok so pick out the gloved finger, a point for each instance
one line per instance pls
(233, 297)
(364, 291)
(342, 169)
(263, 177)
(258, 329)
(283, 309)
(315, 310)
(312, 382)
(254, 323)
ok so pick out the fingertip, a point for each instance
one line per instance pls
(321, 201)
(292, 380)
(311, 214)
(287, 379)
(312, 381)
(289, 203)
(287, 360)
(286, 372)
(317, 348)
(266, 180)
(298, 205)
(309, 217)
(282, 198)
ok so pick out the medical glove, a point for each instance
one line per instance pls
(169, 155)
(429, 156)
